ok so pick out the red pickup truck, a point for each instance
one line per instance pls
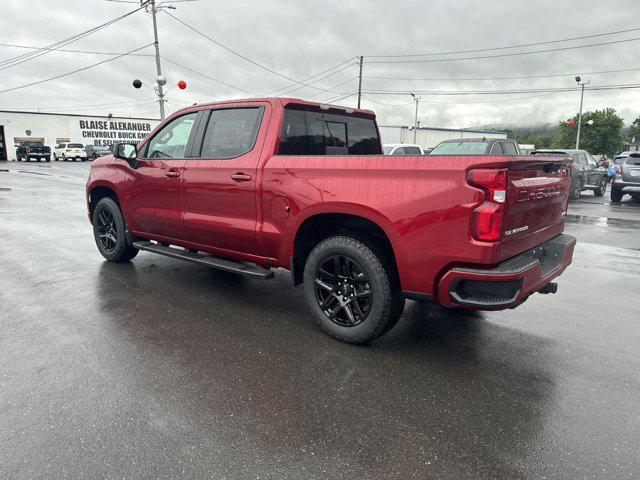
(250, 185)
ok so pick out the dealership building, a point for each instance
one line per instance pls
(55, 128)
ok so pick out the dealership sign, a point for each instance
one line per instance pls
(108, 131)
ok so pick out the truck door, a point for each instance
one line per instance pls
(154, 197)
(219, 181)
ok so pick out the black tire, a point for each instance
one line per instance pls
(48, 159)
(365, 282)
(616, 195)
(576, 188)
(64, 159)
(109, 232)
(55, 158)
(600, 191)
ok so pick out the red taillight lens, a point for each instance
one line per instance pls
(27, 149)
(487, 218)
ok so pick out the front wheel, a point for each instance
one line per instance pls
(109, 232)
(352, 290)
(602, 187)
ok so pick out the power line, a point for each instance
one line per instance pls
(209, 77)
(73, 71)
(330, 89)
(228, 49)
(456, 102)
(548, 42)
(287, 89)
(521, 77)
(502, 55)
(17, 60)
(502, 92)
(91, 52)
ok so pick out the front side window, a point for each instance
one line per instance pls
(312, 132)
(231, 132)
(171, 141)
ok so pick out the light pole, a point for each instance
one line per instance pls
(415, 120)
(582, 84)
(158, 68)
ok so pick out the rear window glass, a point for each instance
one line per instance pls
(460, 148)
(75, 145)
(619, 160)
(412, 151)
(312, 132)
(33, 144)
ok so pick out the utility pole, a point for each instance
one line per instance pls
(582, 84)
(360, 80)
(158, 68)
(415, 120)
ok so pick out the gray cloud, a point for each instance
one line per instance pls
(300, 38)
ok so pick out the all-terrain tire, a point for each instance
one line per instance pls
(576, 188)
(109, 232)
(386, 302)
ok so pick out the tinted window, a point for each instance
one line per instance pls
(398, 151)
(231, 132)
(460, 148)
(75, 145)
(509, 148)
(171, 140)
(582, 158)
(496, 149)
(32, 144)
(412, 151)
(308, 132)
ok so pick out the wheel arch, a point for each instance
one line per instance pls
(317, 225)
(97, 192)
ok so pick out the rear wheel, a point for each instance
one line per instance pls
(351, 289)
(602, 187)
(109, 232)
(577, 188)
(616, 195)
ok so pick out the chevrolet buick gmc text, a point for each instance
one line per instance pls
(250, 185)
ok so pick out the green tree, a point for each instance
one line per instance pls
(634, 130)
(603, 135)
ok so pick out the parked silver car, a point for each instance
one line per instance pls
(627, 178)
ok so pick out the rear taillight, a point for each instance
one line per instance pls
(68, 150)
(27, 149)
(486, 224)
(618, 169)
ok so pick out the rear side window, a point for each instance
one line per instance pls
(231, 132)
(509, 148)
(582, 158)
(308, 132)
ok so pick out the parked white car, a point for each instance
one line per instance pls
(69, 151)
(402, 149)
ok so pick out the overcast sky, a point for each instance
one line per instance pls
(300, 38)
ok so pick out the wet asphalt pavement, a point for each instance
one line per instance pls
(164, 369)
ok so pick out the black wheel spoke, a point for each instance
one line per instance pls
(350, 317)
(343, 291)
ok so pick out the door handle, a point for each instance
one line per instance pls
(172, 174)
(241, 177)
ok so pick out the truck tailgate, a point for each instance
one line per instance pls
(536, 201)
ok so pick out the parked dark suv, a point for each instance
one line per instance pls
(627, 178)
(586, 174)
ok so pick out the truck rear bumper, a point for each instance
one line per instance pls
(510, 282)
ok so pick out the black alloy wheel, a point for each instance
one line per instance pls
(343, 291)
(577, 189)
(107, 231)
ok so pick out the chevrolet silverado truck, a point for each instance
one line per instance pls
(247, 186)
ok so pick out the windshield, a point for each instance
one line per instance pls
(619, 160)
(75, 145)
(460, 148)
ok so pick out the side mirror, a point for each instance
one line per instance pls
(127, 152)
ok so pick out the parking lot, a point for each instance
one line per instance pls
(162, 369)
